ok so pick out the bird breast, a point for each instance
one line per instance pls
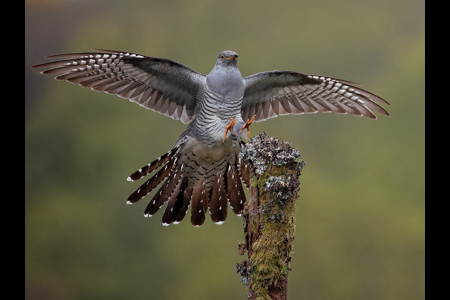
(227, 83)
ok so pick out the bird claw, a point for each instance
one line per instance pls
(228, 128)
(247, 125)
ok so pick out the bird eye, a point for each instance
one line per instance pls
(222, 57)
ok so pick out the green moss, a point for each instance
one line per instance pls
(269, 216)
(271, 252)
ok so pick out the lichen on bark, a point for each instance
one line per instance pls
(269, 216)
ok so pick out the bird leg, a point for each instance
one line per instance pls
(247, 125)
(228, 128)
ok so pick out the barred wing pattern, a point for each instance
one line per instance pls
(159, 84)
(276, 93)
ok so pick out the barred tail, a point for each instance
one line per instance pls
(180, 193)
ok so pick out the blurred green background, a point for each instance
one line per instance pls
(360, 215)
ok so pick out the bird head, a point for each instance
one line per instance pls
(227, 58)
(225, 79)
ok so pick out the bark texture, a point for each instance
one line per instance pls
(269, 216)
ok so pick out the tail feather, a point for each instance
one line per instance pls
(165, 191)
(175, 202)
(200, 199)
(153, 165)
(244, 171)
(153, 182)
(235, 192)
(206, 187)
(187, 194)
(218, 204)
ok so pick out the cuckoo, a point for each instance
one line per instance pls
(203, 169)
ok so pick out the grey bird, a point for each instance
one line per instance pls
(203, 169)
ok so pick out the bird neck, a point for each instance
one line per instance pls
(226, 82)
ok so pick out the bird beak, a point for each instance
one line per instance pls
(232, 57)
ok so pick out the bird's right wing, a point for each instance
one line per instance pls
(159, 84)
(276, 93)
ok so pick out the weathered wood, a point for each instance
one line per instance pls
(269, 216)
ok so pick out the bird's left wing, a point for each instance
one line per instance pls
(275, 93)
(159, 84)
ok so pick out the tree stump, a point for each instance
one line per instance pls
(269, 216)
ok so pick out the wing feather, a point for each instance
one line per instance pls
(135, 77)
(275, 93)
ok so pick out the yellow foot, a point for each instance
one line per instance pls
(228, 128)
(247, 125)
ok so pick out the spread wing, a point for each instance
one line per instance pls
(275, 93)
(159, 84)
